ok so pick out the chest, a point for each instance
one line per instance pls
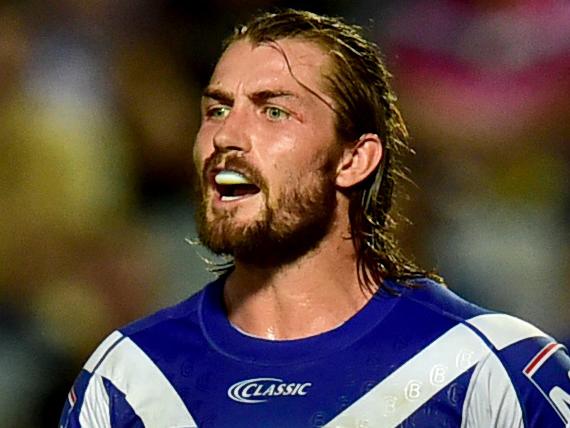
(220, 391)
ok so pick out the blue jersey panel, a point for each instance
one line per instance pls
(121, 412)
(298, 383)
(422, 358)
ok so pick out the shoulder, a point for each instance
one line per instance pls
(187, 309)
(147, 338)
(115, 387)
(524, 378)
(129, 368)
(158, 335)
(147, 332)
(435, 298)
(520, 375)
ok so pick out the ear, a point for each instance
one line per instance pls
(359, 161)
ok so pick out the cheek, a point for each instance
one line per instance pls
(301, 152)
(285, 151)
(201, 150)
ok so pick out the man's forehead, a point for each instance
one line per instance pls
(295, 47)
(280, 65)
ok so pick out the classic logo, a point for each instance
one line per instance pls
(260, 389)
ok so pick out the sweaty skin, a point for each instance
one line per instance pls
(255, 108)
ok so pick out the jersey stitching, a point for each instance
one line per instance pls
(435, 308)
(160, 317)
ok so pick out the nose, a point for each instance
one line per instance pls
(232, 133)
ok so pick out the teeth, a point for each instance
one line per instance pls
(230, 198)
(230, 177)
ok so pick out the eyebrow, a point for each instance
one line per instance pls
(219, 95)
(258, 97)
(261, 97)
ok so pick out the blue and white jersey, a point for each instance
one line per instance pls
(424, 358)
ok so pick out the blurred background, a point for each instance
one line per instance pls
(98, 109)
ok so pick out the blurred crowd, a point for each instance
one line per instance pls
(98, 109)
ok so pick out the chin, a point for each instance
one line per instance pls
(227, 232)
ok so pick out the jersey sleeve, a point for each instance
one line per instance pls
(525, 384)
(96, 402)
(120, 386)
(88, 403)
(541, 375)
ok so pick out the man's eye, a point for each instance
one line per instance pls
(275, 113)
(218, 112)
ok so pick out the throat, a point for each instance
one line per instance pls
(280, 306)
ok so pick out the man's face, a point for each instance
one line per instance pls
(267, 153)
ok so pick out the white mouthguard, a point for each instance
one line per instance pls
(230, 177)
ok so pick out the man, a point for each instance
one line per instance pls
(319, 321)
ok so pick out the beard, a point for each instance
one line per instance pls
(295, 224)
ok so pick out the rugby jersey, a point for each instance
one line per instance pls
(421, 358)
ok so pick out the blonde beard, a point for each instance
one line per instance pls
(302, 216)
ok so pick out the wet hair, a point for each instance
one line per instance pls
(358, 83)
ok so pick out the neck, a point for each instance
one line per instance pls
(315, 293)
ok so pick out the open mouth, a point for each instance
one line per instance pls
(232, 185)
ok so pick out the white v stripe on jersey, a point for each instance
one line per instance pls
(511, 329)
(491, 399)
(409, 387)
(151, 395)
(414, 383)
(95, 409)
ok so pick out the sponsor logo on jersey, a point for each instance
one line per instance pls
(261, 389)
(549, 371)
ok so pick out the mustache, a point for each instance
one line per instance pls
(219, 161)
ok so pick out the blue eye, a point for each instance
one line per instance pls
(275, 113)
(218, 112)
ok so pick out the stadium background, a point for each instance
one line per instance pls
(98, 108)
